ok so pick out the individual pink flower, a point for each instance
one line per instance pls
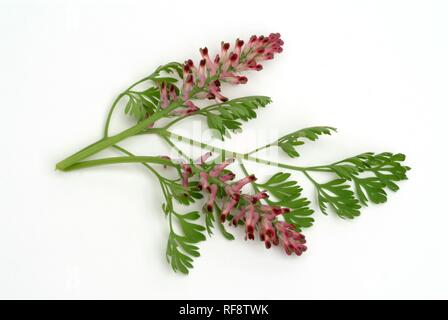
(212, 66)
(238, 46)
(215, 91)
(273, 211)
(233, 78)
(227, 177)
(186, 173)
(229, 207)
(172, 93)
(217, 170)
(238, 217)
(293, 241)
(213, 190)
(258, 196)
(237, 186)
(225, 46)
(202, 73)
(190, 107)
(203, 181)
(203, 158)
(251, 220)
(164, 96)
(187, 86)
(267, 231)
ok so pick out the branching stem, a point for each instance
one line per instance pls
(172, 136)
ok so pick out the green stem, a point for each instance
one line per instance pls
(123, 150)
(115, 103)
(115, 160)
(105, 143)
(316, 184)
(107, 125)
(202, 111)
(137, 83)
(109, 115)
(246, 173)
(229, 153)
(180, 152)
(261, 148)
(87, 147)
(199, 112)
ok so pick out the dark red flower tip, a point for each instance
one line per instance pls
(239, 43)
(226, 46)
(233, 57)
(251, 63)
(259, 67)
(204, 51)
(242, 79)
(202, 62)
(189, 78)
(274, 36)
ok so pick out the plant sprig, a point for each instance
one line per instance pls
(276, 210)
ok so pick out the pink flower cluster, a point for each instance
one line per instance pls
(204, 80)
(257, 217)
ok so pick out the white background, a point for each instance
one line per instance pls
(376, 70)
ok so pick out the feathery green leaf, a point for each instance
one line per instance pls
(289, 142)
(227, 117)
(288, 194)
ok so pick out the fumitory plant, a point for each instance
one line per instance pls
(274, 211)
